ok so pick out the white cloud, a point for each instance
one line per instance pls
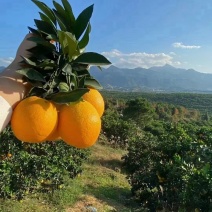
(177, 63)
(172, 53)
(139, 59)
(6, 61)
(182, 46)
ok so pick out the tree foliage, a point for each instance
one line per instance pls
(139, 110)
(29, 168)
(58, 68)
(171, 171)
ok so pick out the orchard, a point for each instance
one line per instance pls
(167, 148)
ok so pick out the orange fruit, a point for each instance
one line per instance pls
(34, 119)
(96, 99)
(54, 136)
(79, 124)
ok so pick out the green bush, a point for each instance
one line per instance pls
(26, 168)
(140, 111)
(172, 171)
(117, 130)
(156, 127)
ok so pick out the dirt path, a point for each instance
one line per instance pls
(106, 187)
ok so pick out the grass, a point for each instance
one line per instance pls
(101, 185)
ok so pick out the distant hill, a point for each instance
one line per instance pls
(155, 79)
(161, 79)
(2, 68)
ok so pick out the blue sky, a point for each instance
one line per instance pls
(137, 33)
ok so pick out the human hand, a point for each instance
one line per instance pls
(23, 48)
(12, 87)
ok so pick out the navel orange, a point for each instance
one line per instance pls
(96, 99)
(34, 119)
(79, 124)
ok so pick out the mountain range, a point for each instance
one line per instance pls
(155, 79)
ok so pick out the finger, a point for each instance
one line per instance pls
(24, 46)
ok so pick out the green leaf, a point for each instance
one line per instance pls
(47, 63)
(45, 9)
(63, 16)
(67, 69)
(83, 73)
(61, 61)
(63, 41)
(74, 80)
(205, 169)
(40, 52)
(45, 27)
(67, 97)
(68, 43)
(59, 8)
(69, 11)
(85, 39)
(63, 87)
(56, 81)
(72, 44)
(92, 58)
(52, 37)
(40, 40)
(81, 82)
(35, 83)
(99, 67)
(28, 61)
(46, 18)
(34, 31)
(92, 83)
(80, 67)
(32, 74)
(36, 91)
(60, 20)
(82, 21)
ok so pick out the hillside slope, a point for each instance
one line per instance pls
(165, 78)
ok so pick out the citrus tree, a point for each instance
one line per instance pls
(171, 171)
(139, 110)
(27, 168)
